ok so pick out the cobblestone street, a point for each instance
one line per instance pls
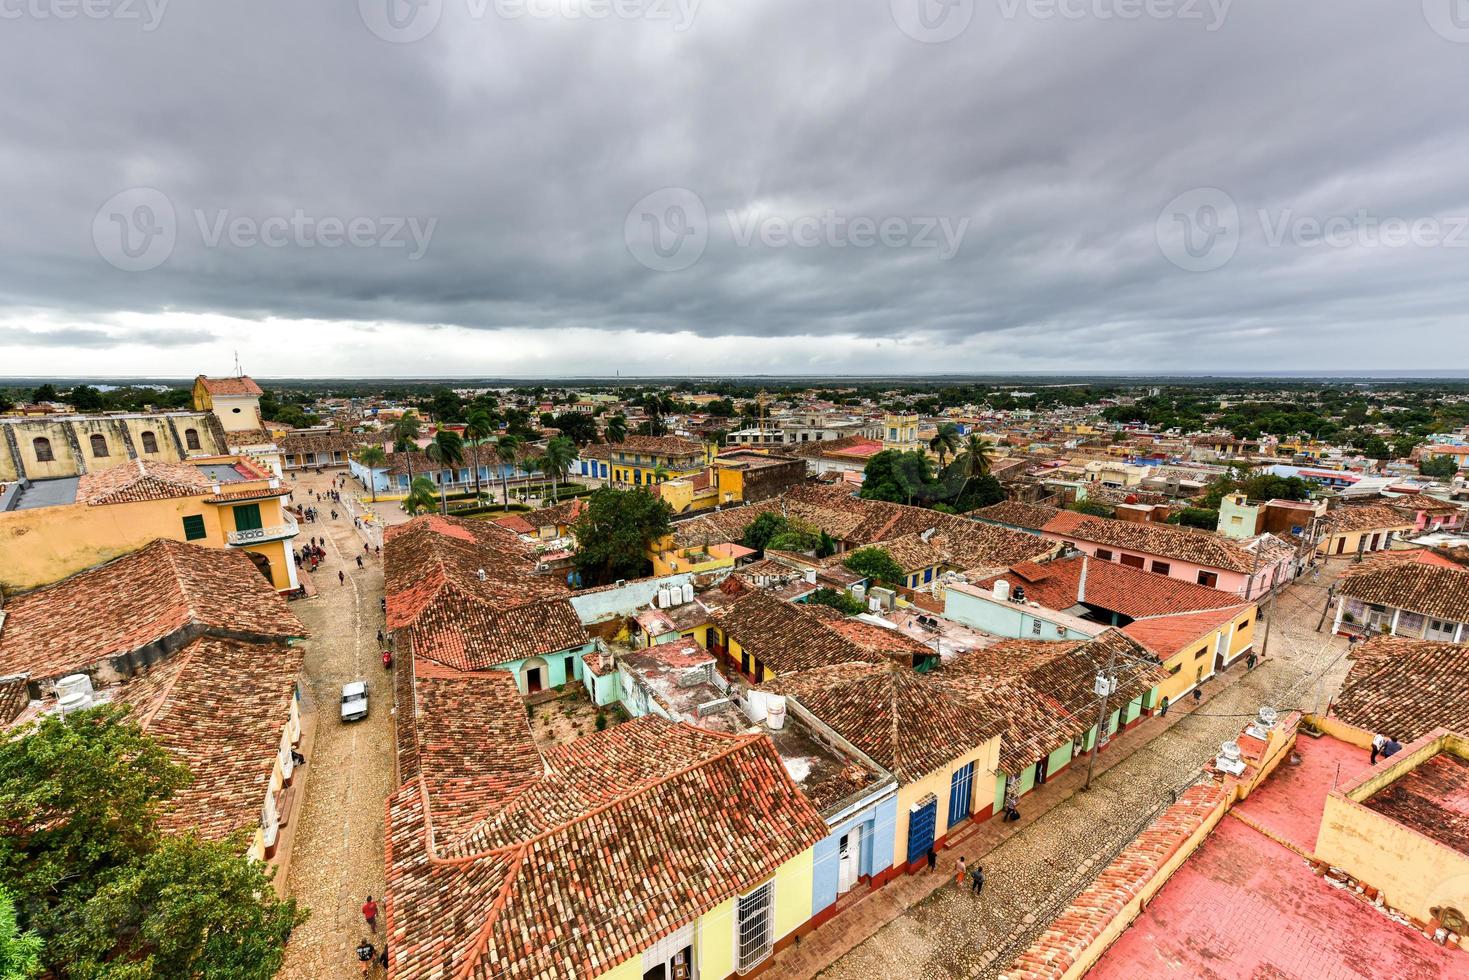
(337, 852)
(1033, 873)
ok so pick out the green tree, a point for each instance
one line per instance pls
(839, 601)
(85, 398)
(797, 536)
(191, 909)
(507, 450)
(759, 532)
(974, 461)
(422, 496)
(1439, 467)
(20, 952)
(560, 452)
(477, 431)
(446, 406)
(945, 441)
(876, 564)
(1199, 517)
(617, 428)
(977, 493)
(447, 451)
(45, 393)
(78, 798)
(615, 531)
(898, 477)
(373, 458)
(405, 431)
(1091, 508)
(6, 404)
(579, 427)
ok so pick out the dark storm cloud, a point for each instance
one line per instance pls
(304, 167)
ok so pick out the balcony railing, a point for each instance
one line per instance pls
(258, 535)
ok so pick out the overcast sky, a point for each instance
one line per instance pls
(369, 187)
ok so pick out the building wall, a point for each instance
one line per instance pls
(1347, 543)
(1413, 872)
(876, 820)
(555, 664)
(70, 439)
(1013, 620)
(985, 757)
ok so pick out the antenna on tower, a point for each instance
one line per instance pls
(239, 371)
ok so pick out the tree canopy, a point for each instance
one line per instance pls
(876, 564)
(614, 532)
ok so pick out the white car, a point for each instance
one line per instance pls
(354, 701)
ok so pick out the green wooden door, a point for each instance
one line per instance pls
(247, 517)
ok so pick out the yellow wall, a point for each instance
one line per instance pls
(1353, 539)
(46, 544)
(1413, 872)
(1200, 653)
(986, 759)
(793, 886)
(110, 427)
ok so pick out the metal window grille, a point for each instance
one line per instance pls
(755, 925)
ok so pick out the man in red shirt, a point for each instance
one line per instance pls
(369, 912)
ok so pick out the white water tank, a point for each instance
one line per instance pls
(76, 701)
(775, 712)
(664, 600)
(73, 684)
(688, 592)
(1002, 591)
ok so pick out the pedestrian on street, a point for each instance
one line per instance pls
(379, 637)
(1251, 660)
(369, 913)
(1391, 748)
(378, 550)
(962, 873)
(1198, 695)
(1164, 711)
(359, 561)
(341, 577)
(933, 860)
(976, 880)
(1378, 741)
(365, 955)
(1315, 573)
(364, 544)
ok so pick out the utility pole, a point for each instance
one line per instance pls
(1105, 683)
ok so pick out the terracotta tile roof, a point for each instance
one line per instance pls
(259, 493)
(1406, 688)
(1442, 593)
(556, 515)
(13, 698)
(909, 723)
(218, 706)
(1083, 923)
(134, 600)
(811, 450)
(1017, 514)
(1164, 540)
(516, 523)
(293, 443)
(672, 446)
(434, 592)
(242, 385)
(248, 437)
(1065, 522)
(567, 864)
(787, 637)
(1116, 588)
(141, 479)
(1166, 636)
(1373, 517)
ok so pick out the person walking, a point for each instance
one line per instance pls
(1164, 711)
(1198, 694)
(341, 577)
(1378, 742)
(369, 914)
(962, 873)
(976, 880)
(359, 561)
(365, 955)
(933, 860)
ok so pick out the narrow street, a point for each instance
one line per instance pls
(337, 853)
(1033, 874)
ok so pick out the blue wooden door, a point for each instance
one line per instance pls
(920, 829)
(961, 792)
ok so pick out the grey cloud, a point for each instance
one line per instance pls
(1059, 140)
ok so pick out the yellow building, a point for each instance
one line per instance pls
(234, 401)
(671, 560)
(70, 445)
(741, 476)
(646, 460)
(900, 432)
(1195, 646)
(53, 528)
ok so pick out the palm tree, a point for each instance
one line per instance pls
(974, 462)
(617, 428)
(559, 454)
(447, 450)
(945, 441)
(655, 405)
(405, 432)
(422, 496)
(660, 473)
(507, 450)
(372, 457)
(477, 432)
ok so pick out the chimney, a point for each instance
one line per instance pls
(1081, 582)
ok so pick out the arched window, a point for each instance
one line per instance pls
(150, 443)
(99, 445)
(191, 438)
(42, 446)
